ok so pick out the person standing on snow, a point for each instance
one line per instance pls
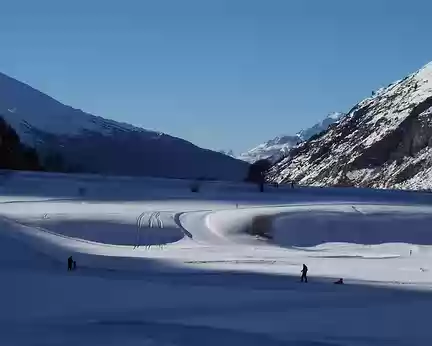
(304, 273)
(70, 261)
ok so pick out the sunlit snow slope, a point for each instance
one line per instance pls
(160, 265)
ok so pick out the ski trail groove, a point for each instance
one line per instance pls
(154, 221)
(159, 220)
(139, 223)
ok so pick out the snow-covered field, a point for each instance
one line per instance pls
(160, 265)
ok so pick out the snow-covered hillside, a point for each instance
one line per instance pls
(159, 265)
(93, 144)
(384, 141)
(280, 146)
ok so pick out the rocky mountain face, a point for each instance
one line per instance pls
(68, 139)
(385, 141)
(278, 147)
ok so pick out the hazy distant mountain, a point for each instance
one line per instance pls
(321, 126)
(280, 146)
(227, 152)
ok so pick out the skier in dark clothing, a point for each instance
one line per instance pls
(70, 262)
(74, 265)
(304, 273)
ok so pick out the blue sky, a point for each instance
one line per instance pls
(223, 74)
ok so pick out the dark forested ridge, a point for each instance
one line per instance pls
(14, 154)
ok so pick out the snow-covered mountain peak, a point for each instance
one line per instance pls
(425, 68)
(393, 104)
(424, 78)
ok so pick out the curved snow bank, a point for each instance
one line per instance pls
(311, 225)
(236, 225)
(363, 225)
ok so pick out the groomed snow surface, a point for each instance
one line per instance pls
(160, 265)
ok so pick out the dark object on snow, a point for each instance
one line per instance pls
(74, 265)
(195, 186)
(304, 273)
(292, 184)
(257, 172)
(339, 282)
(70, 262)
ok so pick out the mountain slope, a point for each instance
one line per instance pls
(89, 143)
(280, 146)
(385, 141)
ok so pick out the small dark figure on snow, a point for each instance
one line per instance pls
(292, 184)
(304, 273)
(339, 282)
(70, 262)
(74, 265)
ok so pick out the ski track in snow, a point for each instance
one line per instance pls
(189, 272)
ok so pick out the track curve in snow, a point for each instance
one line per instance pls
(315, 224)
